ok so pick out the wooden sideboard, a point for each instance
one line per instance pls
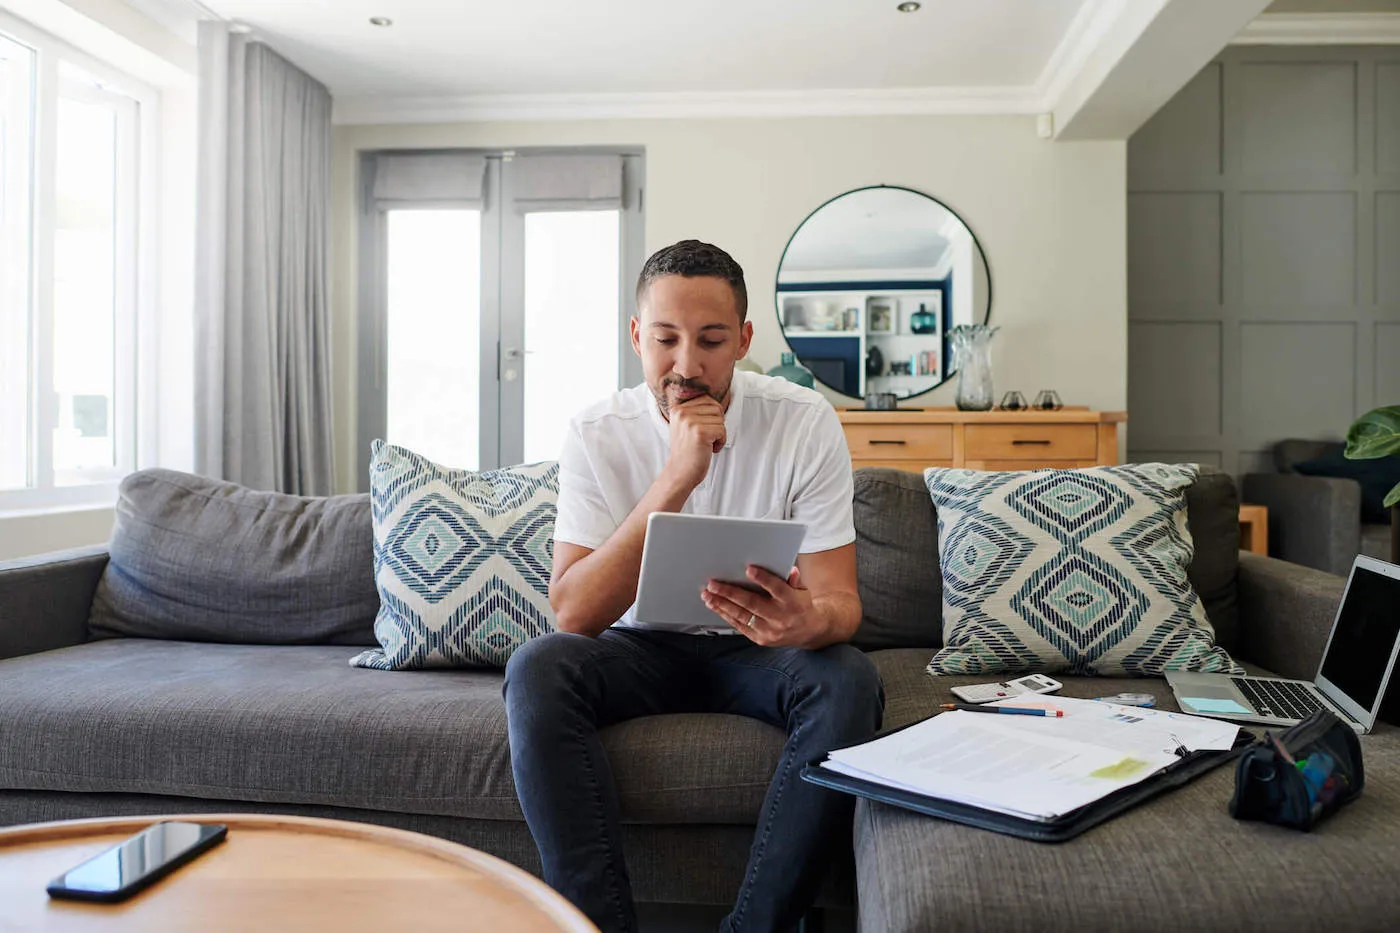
(913, 439)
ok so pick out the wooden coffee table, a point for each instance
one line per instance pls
(282, 873)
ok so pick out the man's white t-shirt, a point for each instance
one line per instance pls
(784, 457)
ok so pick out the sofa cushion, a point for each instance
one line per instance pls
(1213, 518)
(462, 560)
(1375, 541)
(1069, 571)
(897, 544)
(205, 560)
(299, 725)
(901, 591)
(916, 873)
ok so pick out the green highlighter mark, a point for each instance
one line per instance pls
(1123, 769)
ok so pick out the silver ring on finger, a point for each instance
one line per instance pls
(753, 617)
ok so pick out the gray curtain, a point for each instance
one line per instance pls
(262, 385)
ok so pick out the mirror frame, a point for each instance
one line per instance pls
(950, 371)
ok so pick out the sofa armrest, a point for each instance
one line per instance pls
(44, 600)
(1313, 520)
(1286, 613)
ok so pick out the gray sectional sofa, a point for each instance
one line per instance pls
(220, 683)
(1314, 520)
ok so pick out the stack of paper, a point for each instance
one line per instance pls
(1032, 766)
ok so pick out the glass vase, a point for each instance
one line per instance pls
(972, 355)
(793, 371)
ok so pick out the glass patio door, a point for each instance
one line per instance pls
(487, 322)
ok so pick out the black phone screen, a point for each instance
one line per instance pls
(137, 860)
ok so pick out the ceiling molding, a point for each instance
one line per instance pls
(1086, 31)
(1321, 29)
(356, 110)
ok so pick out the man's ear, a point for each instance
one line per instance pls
(634, 325)
(745, 339)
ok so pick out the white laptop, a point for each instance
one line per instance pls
(1351, 679)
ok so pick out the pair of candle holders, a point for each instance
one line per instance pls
(1047, 400)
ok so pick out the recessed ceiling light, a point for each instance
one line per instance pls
(386, 21)
(909, 7)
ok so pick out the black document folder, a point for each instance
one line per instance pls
(1059, 829)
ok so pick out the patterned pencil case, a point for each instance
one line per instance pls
(1301, 776)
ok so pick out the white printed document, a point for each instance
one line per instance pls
(1032, 766)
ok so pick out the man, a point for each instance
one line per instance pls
(696, 437)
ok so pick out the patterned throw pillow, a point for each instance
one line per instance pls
(1069, 571)
(461, 559)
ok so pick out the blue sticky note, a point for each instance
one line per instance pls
(1211, 705)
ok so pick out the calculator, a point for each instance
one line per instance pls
(986, 693)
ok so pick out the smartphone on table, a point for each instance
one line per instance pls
(129, 866)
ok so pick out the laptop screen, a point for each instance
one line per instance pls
(1367, 626)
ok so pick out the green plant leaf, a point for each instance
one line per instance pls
(1392, 498)
(1374, 434)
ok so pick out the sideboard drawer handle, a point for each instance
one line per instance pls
(1019, 441)
(875, 441)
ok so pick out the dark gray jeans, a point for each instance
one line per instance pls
(560, 689)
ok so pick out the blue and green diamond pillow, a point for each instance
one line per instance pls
(461, 560)
(1070, 571)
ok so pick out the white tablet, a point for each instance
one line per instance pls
(683, 553)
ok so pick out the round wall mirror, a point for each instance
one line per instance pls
(869, 285)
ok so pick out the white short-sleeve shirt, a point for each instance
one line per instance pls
(785, 457)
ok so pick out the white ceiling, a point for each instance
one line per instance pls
(471, 47)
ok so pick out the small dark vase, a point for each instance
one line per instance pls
(923, 321)
(874, 362)
(793, 371)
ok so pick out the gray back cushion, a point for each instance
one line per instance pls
(901, 587)
(198, 559)
(1213, 518)
(1296, 450)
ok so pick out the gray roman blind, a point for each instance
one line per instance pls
(566, 182)
(428, 179)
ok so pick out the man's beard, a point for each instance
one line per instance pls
(663, 400)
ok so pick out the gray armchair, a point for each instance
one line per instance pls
(1314, 520)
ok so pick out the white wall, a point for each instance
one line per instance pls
(1051, 217)
(22, 535)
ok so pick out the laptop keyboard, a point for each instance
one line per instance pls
(1281, 698)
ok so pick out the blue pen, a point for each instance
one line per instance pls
(1013, 710)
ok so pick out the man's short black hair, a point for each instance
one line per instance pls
(692, 258)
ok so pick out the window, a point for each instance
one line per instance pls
(497, 288)
(572, 295)
(434, 301)
(16, 210)
(72, 232)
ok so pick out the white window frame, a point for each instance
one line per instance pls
(135, 307)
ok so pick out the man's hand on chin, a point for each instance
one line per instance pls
(783, 615)
(697, 434)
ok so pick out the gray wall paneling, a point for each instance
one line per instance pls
(1264, 255)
